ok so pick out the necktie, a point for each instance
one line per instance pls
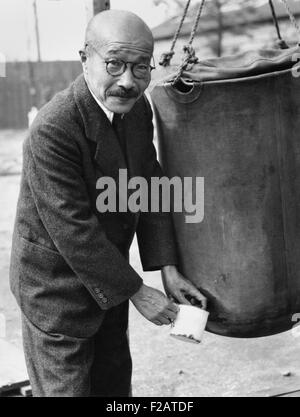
(118, 126)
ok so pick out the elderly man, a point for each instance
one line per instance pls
(70, 268)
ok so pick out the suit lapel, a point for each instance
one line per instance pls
(108, 155)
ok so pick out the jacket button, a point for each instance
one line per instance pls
(104, 300)
(98, 291)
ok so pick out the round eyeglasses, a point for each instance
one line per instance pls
(117, 67)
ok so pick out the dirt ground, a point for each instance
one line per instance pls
(163, 366)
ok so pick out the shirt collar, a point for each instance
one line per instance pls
(109, 114)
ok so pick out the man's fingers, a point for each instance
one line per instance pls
(185, 298)
(173, 307)
(194, 292)
(167, 316)
(164, 320)
(180, 297)
(204, 303)
(171, 315)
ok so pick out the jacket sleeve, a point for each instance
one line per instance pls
(53, 165)
(155, 231)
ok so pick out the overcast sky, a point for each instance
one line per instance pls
(62, 24)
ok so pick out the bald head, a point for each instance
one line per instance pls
(119, 28)
(116, 59)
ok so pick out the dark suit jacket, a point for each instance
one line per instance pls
(69, 263)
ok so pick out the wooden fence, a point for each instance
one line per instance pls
(29, 84)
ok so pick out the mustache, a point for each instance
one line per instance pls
(123, 93)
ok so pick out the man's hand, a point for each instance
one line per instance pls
(154, 306)
(177, 287)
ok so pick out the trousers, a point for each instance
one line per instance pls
(63, 366)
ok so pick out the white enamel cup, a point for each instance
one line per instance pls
(190, 324)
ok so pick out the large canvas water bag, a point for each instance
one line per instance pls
(238, 126)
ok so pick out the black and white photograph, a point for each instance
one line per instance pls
(150, 201)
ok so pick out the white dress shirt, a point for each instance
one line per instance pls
(109, 114)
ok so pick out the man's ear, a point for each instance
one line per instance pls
(83, 56)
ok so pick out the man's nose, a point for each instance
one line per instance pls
(127, 79)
